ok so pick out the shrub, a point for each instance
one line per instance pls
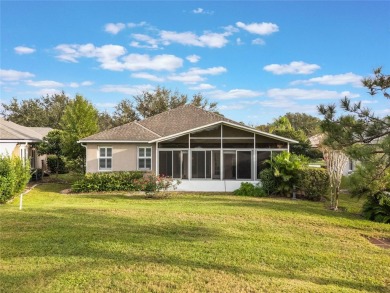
(110, 181)
(268, 181)
(153, 184)
(285, 168)
(313, 182)
(377, 207)
(249, 189)
(52, 164)
(14, 175)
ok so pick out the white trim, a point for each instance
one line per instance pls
(228, 124)
(112, 141)
(19, 140)
(157, 158)
(145, 158)
(112, 158)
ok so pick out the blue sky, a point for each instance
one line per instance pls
(257, 59)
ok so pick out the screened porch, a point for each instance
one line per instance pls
(219, 152)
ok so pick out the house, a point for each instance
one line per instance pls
(206, 151)
(20, 141)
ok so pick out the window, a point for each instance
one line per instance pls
(105, 158)
(244, 164)
(144, 158)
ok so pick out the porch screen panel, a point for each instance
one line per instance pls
(208, 164)
(244, 165)
(198, 164)
(184, 165)
(176, 164)
(216, 163)
(229, 165)
(165, 163)
(262, 156)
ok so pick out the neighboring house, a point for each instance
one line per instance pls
(206, 151)
(317, 139)
(20, 141)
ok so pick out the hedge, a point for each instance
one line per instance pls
(313, 183)
(14, 176)
(52, 164)
(110, 181)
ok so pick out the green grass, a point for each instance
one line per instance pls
(186, 243)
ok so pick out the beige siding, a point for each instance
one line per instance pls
(124, 156)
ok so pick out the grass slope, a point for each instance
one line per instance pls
(190, 243)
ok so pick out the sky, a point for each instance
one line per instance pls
(257, 59)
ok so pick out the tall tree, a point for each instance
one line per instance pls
(310, 125)
(151, 103)
(124, 113)
(52, 145)
(80, 120)
(161, 99)
(282, 126)
(41, 112)
(364, 136)
(106, 121)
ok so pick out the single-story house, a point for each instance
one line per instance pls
(205, 150)
(21, 141)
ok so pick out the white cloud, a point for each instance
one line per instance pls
(239, 42)
(14, 75)
(151, 43)
(24, 50)
(233, 94)
(45, 83)
(139, 24)
(302, 94)
(108, 57)
(44, 92)
(202, 86)
(202, 11)
(147, 76)
(338, 79)
(208, 39)
(136, 62)
(195, 75)
(295, 67)
(114, 28)
(258, 41)
(105, 105)
(263, 28)
(84, 83)
(126, 89)
(231, 107)
(193, 58)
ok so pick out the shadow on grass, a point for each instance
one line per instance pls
(129, 240)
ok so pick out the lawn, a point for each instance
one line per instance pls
(187, 243)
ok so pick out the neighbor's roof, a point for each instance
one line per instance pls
(11, 131)
(170, 123)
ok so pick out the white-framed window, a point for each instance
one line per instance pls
(105, 158)
(144, 158)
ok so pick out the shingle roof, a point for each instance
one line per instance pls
(13, 131)
(175, 121)
(128, 132)
(181, 119)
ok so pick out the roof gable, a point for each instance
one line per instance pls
(16, 132)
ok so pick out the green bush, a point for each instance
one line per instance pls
(248, 189)
(268, 181)
(14, 175)
(377, 207)
(52, 164)
(313, 182)
(108, 181)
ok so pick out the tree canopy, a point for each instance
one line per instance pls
(364, 136)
